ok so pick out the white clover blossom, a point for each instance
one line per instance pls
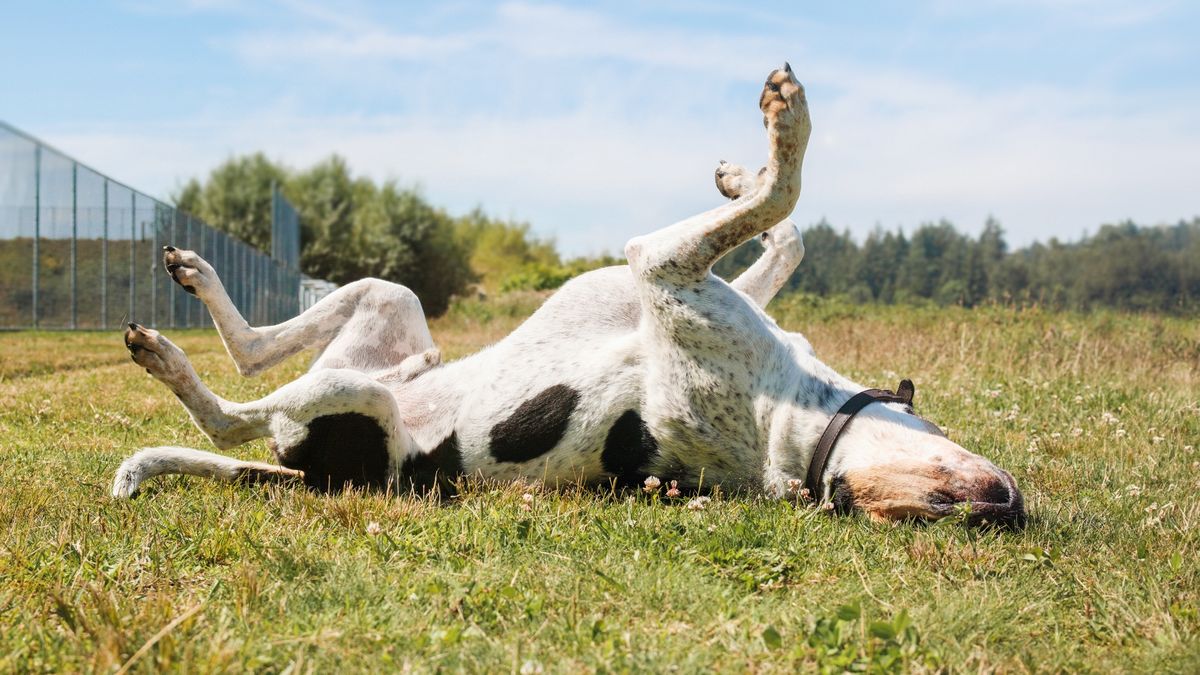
(651, 484)
(673, 491)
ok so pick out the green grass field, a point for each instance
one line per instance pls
(1097, 417)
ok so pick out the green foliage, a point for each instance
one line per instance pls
(536, 277)
(352, 227)
(837, 645)
(236, 197)
(500, 249)
(543, 277)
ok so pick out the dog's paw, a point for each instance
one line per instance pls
(733, 181)
(128, 479)
(189, 270)
(785, 238)
(783, 102)
(153, 351)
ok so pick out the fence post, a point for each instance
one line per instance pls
(132, 250)
(74, 245)
(154, 249)
(37, 227)
(104, 264)
(174, 241)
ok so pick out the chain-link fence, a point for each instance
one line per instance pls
(81, 250)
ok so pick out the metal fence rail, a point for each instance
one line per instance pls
(81, 250)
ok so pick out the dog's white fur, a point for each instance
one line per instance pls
(727, 396)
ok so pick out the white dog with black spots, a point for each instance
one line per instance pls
(658, 368)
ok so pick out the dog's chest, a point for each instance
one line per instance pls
(704, 415)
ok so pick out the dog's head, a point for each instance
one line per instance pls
(894, 465)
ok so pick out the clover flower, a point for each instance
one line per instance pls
(651, 484)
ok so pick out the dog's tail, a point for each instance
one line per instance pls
(150, 462)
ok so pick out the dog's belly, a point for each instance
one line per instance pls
(593, 423)
(584, 392)
(597, 409)
(551, 420)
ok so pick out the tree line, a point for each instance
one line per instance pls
(1123, 266)
(353, 227)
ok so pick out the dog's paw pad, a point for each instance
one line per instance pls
(152, 350)
(783, 98)
(733, 181)
(187, 269)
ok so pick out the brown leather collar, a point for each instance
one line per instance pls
(816, 468)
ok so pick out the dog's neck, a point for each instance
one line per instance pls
(811, 394)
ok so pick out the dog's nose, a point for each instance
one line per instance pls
(994, 491)
(998, 502)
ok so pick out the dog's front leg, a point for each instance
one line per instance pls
(783, 247)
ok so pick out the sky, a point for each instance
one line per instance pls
(599, 121)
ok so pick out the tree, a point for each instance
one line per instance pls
(237, 195)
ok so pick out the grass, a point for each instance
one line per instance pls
(1097, 416)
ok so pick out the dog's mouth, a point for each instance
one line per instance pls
(994, 500)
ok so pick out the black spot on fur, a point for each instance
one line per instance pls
(349, 449)
(628, 449)
(439, 467)
(535, 427)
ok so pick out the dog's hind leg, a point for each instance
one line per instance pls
(369, 325)
(685, 252)
(332, 427)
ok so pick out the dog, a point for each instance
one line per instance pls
(653, 372)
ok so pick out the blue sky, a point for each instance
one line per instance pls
(595, 122)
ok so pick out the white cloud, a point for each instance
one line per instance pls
(634, 148)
